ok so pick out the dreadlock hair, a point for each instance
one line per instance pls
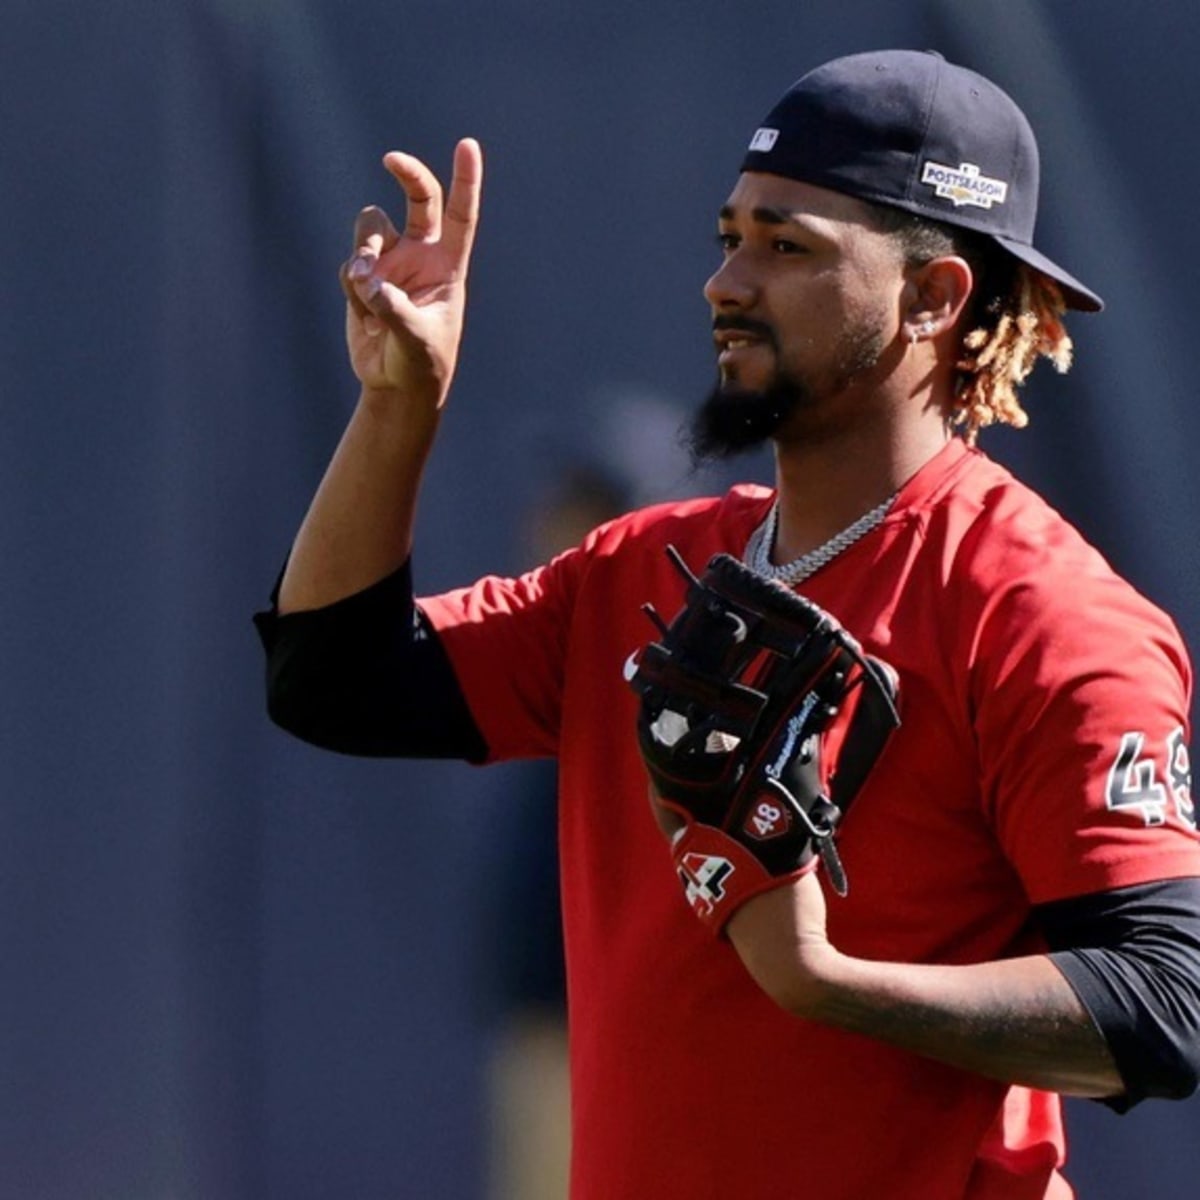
(1014, 318)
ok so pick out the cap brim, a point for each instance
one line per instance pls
(1074, 293)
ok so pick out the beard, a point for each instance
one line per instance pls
(733, 419)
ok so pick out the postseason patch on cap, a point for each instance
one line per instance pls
(964, 184)
(764, 139)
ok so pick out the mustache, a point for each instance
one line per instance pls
(744, 325)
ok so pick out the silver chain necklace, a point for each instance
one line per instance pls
(762, 540)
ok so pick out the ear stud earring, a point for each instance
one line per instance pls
(922, 330)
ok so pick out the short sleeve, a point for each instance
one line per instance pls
(1080, 691)
(506, 639)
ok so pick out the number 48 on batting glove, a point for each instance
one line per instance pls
(760, 718)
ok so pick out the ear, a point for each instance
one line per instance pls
(935, 296)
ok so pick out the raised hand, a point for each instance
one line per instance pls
(406, 292)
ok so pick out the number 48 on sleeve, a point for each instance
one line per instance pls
(1133, 781)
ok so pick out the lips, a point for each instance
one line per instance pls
(731, 344)
(734, 338)
(734, 341)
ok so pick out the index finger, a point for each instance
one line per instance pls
(423, 193)
(462, 205)
(374, 231)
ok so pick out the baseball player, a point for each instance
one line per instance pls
(1018, 857)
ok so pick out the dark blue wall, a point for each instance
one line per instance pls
(241, 968)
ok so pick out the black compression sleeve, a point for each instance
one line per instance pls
(368, 676)
(1133, 958)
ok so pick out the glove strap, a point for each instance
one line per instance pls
(719, 874)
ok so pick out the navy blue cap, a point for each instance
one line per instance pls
(908, 129)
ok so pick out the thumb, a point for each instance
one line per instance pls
(384, 300)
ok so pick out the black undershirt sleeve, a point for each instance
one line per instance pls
(367, 676)
(1133, 957)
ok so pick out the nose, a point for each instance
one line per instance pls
(730, 285)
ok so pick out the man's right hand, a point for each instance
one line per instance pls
(405, 296)
(406, 292)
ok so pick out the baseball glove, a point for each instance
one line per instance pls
(760, 718)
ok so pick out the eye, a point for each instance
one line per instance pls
(785, 246)
(728, 241)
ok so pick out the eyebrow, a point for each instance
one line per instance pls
(762, 215)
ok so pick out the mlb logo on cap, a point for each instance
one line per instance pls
(764, 139)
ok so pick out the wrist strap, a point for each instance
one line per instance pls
(719, 874)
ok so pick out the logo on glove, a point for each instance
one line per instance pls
(703, 877)
(767, 819)
(795, 727)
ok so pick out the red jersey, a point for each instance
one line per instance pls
(1042, 756)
